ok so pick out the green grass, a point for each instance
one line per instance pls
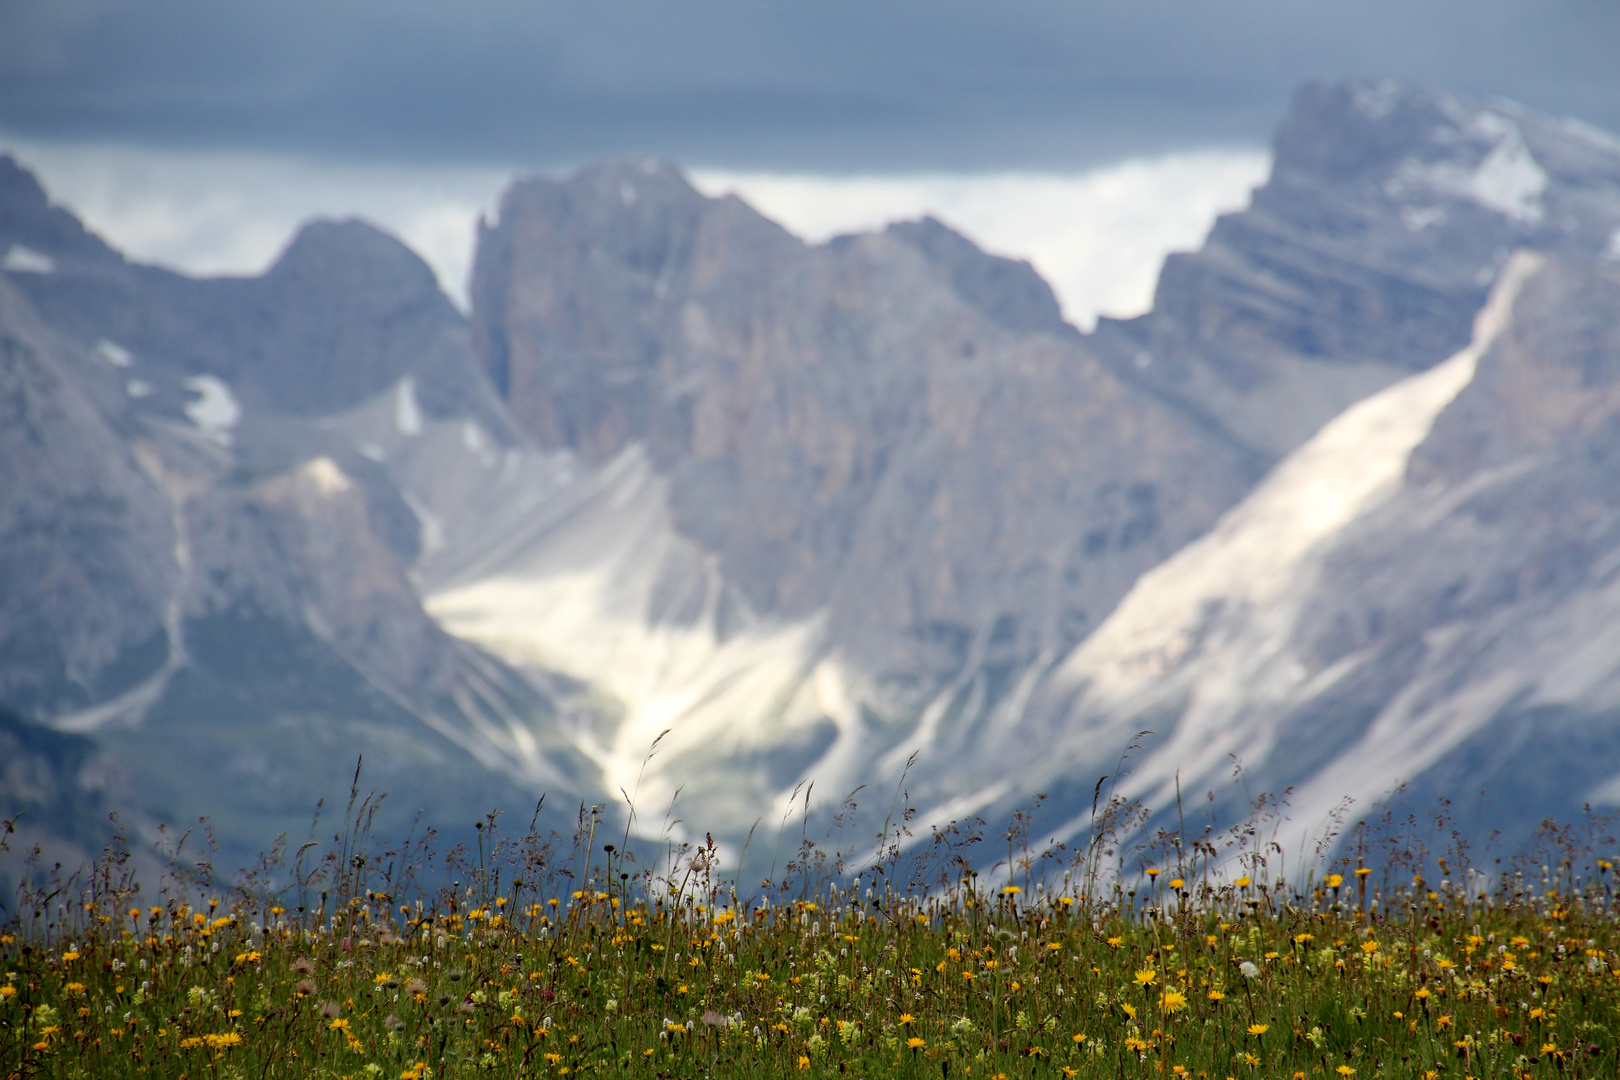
(1216, 980)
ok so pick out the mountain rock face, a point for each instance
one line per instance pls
(201, 577)
(832, 512)
(87, 557)
(1424, 592)
(1388, 215)
(915, 490)
(892, 448)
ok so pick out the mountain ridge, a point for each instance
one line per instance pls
(826, 512)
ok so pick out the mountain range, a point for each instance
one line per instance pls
(1339, 508)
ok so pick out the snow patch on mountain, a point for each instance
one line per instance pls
(407, 413)
(329, 480)
(25, 260)
(214, 410)
(1508, 179)
(597, 585)
(577, 576)
(114, 353)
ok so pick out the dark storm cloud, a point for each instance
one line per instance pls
(824, 84)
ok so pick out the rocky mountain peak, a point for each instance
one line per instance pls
(1389, 214)
(819, 410)
(354, 256)
(1007, 291)
(580, 287)
(346, 311)
(34, 235)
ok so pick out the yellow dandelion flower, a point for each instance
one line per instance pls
(1259, 1029)
(915, 1043)
(1147, 977)
(1172, 1001)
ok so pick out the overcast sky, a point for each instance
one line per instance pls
(186, 130)
(818, 85)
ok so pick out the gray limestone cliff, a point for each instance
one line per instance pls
(200, 576)
(893, 428)
(1389, 213)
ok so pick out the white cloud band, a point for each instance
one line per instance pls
(1098, 236)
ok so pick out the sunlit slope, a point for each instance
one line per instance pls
(1425, 592)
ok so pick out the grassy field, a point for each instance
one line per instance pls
(595, 965)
